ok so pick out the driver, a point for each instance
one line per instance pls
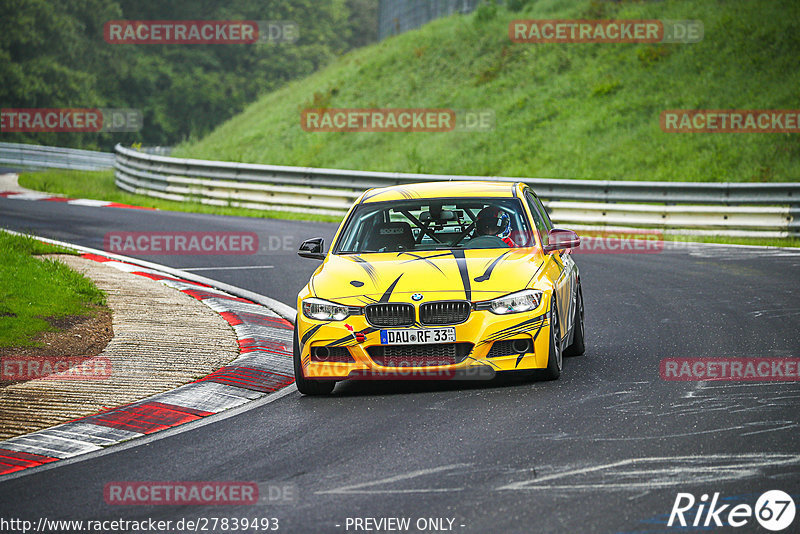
(492, 229)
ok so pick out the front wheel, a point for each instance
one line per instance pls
(554, 359)
(578, 346)
(305, 385)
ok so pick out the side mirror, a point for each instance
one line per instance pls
(560, 239)
(312, 248)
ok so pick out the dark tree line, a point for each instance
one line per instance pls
(53, 55)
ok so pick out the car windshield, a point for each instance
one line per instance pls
(436, 224)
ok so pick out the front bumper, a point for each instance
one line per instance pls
(484, 330)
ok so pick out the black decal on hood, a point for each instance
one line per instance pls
(388, 293)
(370, 270)
(488, 273)
(356, 283)
(461, 261)
(426, 260)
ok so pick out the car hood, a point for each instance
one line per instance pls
(477, 274)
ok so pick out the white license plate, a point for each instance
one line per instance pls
(418, 336)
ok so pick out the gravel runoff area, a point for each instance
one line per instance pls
(162, 339)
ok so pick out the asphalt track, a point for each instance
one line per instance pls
(604, 449)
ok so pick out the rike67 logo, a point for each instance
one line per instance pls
(774, 510)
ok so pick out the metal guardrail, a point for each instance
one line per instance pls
(50, 157)
(733, 209)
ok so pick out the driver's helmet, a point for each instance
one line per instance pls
(493, 221)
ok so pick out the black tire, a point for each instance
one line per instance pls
(304, 385)
(578, 346)
(555, 358)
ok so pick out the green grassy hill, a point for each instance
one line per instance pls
(562, 110)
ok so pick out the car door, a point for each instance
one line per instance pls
(570, 273)
(563, 268)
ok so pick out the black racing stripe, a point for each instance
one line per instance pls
(521, 330)
(490, 362)
(514, 329)
(537, 272)
(535, 335)
(509, 335)
(488, 273)
(442, 255)
(370, 270)
(388, 293)
(406, 193)
(423, 258)
(461, 261)
(523, 323)
(310, 332)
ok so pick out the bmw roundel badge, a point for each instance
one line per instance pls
(416, 297)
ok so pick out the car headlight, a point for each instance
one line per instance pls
(323, 310)
(518, 302)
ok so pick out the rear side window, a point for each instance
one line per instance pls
(540, 218)
(543, 211)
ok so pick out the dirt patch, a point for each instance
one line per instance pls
(77, 335)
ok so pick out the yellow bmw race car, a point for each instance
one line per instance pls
(439, 280)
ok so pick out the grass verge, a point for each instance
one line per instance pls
(33, 290)
(566, 110)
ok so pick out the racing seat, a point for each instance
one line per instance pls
(391, 237)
